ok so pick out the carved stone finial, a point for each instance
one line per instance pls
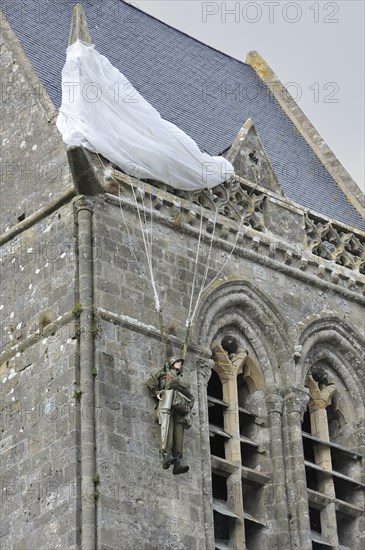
(79, 29)
(250, 160)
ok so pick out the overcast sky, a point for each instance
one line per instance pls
(316, 46)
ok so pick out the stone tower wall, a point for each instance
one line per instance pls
(79, 335)
(39, 355)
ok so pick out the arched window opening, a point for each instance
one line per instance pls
(234, 428)
(251, 461)
(332, 469)
(224, 519)
(216, 407)
(215, 387)
(247, 426)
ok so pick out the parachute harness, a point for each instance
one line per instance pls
(147, 243)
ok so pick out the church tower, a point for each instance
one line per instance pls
(276, 343)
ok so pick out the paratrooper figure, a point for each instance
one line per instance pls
(174, 404)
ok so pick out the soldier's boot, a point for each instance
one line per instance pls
(178, 467)
(168, 460)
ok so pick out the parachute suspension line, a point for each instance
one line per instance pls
(229, 255)
(148, 249)
(148, 256)
(160, 324)
(189, 320)
(130, 236)
(151, 218)
(186, 342)
(190, 316)
(209, 256)
(149, 262)
(148, 240)
(223, 266)
(125, 222)
(196, 266)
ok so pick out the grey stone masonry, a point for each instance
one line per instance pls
(79, 243)
(34, 167)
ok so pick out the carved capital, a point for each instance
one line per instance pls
(296, 400)
(320, 395)
(225, 368)
(238, 359)
(82, 203)
(274, 399)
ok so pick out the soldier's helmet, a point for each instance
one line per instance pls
(172, 360)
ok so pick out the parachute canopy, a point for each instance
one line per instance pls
(102, 112)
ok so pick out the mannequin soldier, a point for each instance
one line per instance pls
(164, 385)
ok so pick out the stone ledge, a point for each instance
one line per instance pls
(149, 330)
(23, 344)
(251, 244)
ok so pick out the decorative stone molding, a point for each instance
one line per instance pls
(254, 238)
(359, 433)
(337, 245)
(252, 376)
(249, 158)
(232, 200)
(204, 371)
(307, 130)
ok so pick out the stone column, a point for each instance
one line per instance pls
(203, 374)
(228, 371)
(295, 403)
(320, 399)
(278, 498)
(84, 211)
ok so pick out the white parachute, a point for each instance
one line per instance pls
(102, 112)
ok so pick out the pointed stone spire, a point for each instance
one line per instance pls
(79, 29)
(250, 160)
(82, 162)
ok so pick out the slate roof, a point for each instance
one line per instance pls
(206, 93)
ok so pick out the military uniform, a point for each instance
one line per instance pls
(172, 445)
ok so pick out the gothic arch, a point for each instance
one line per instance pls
(330, 340)
(242, 309)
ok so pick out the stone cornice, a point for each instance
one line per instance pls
(263, 248)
